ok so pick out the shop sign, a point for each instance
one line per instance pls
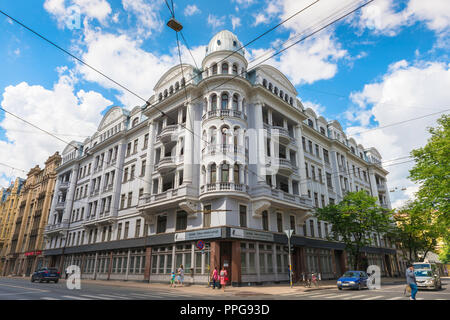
(200, 234)
(33, 253)
(251, 235)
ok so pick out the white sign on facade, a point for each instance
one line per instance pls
(251, 235)
(200, 234)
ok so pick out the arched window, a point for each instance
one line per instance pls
(224, 101)
(177, 86)
(265, 83)
(224, 134)
(165, 93)
(236, 174)
(171, 89)
(224, 68)
(214, 69)
(213, 135)
(160, 96)
(135, 122)
(270, 86)
(281, 94)
(291, 101)
(275, 90)
(183, 82)
(236, 138)
(214, 102)
(213, 173)
(235, 102)
(235, 69)
(225, 173)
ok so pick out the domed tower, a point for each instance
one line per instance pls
(224, 118)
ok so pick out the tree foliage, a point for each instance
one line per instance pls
(353, 219)
(432, 172)
(418, 230)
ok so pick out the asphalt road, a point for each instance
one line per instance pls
(23, 289)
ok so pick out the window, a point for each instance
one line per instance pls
(213, 102)
(316, 200)
(235, 102)
(133, 168)
(161, 224)
(292, 223)
(207, 216)
(213, 173)
(225, 68)
(145, 141)
(214, 69)
(137, 230)
(224, 101)
(317, 151)
(313, 171)
(143, 164)
(141, 192)
(127, 227)
(243, 216)
(181, 223)
(122, 201)
(325, 156)
(329, 182)
(125, 175)
(119, 231)
(235, 69)
(311, 228)
(135, 146)
(307, 171)
(225, 173)
(265, 221)
(130, 198)
(322, 197)
(128, 149)
(310, 147)
(320, 175)
(279, 222)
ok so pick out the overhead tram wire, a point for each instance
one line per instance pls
(340, 18)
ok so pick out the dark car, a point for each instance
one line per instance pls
(353, 279)
(46, 274)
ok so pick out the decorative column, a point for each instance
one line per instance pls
(148, 256)
(189, 144)
(236, 262)
(149, 158)
(260, 144)
(301, 161)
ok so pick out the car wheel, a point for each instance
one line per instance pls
(32, 279)
(339, 288)
(56, 281)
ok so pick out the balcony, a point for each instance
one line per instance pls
(60, 205)
(229, 149)
(282, 198)
(381, 188)
(161, 200)
(64, 185)
(225, 113)
(107, 188)
(282, 133)
(59, 227)
(166, 134)
(94, 193)
(166, 164)
(224, 186)
(280, 165)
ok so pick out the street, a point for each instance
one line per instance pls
(23, 289)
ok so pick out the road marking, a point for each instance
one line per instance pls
(49, 298)
(76, 298)
(396, 298)
(114, 296)
(338, 296)
(27, 292)
(326, 295)
(373, 298)
(96, 297)
(355, 297)
(28, 288)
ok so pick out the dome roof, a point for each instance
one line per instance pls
(224, 40)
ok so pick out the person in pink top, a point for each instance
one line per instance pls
(215, 278)
(223, 278)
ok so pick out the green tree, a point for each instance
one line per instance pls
(352, 221)
(444, 256)
(418, 230)
(432, 172)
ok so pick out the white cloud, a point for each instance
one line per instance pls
(404, 92)
(316, 107)
(60, 109)
(260, 18)
(191, 10)
(146, 13)
(92, 9)
(235, 22)
(123, 59)
(215, 22)
(245, 3)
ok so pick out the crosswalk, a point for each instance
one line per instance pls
(130, 296)
(342, 296)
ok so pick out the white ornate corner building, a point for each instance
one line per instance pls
(225, 155)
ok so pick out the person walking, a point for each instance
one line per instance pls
(172, 279)
(180, 275)
(223, 278)
(215, 278)
(411, 281)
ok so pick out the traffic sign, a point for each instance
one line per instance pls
(200, 244)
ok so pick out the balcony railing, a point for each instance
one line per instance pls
(94, 192)
(109, 187)
(64, 185)
(60, 205)
(225, 149)
(56, 227)
(224, 113)
(224, 186)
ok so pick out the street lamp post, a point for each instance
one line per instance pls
(289, 234)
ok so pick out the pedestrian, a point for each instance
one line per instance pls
(411, 281)
(172, 279)
(223, 278)
(180, 275)
(215, 278)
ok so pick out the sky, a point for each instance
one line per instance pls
(386, 63)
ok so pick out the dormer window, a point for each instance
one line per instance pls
(310, 123)
(218, 42)
(234, 43)
(165, 93)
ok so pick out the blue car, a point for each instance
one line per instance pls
(353, 279)
(46, 274)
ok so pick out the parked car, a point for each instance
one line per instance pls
(428, 279)
(353, 279)
(46, 274)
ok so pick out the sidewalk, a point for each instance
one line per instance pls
(270, 289)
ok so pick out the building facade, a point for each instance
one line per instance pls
(9, 202)
(24, 251)
(210, 173)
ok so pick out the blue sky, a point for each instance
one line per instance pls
(381, 65)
